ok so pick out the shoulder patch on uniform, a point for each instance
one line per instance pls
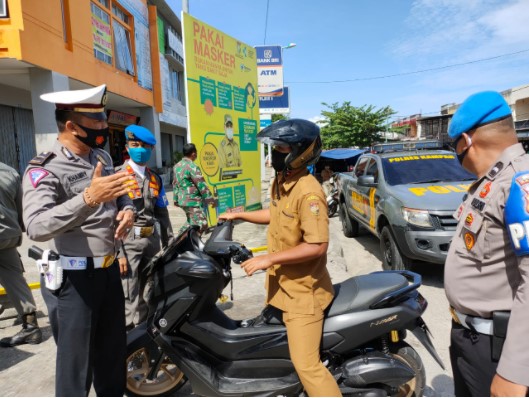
(523, 179)
(36, 176)
(516, 213)
(39, 160)
(312, 197)
(314, 208)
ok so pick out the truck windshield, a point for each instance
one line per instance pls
(424, 168)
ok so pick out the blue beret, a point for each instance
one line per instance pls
(478, 109)
(139, 133)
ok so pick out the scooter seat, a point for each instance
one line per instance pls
(359, 292)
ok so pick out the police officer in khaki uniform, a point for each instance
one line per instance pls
(11, 269)
(73, 198)
(298, 282)
(487, 268)
(229, 154)
(148, 194)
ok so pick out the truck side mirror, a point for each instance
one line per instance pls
(367, 181)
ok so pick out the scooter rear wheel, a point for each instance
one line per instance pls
(167, 379)
(415, 386)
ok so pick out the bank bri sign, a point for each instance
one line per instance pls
(269, 70)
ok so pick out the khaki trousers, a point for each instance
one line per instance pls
(304, 337)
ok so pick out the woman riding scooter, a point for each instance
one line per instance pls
(298, 282)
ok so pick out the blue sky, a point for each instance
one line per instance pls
(367, 41)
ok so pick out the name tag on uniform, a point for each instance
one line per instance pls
(75, 178)
(478, 204)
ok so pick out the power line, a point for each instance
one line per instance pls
(406, 73)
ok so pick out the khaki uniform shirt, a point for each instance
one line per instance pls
(54, 207)
(298, 215)
(482, 273)
(229, 154)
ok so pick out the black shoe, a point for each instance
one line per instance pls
(28, 335)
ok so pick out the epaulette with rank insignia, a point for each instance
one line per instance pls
(42, 158)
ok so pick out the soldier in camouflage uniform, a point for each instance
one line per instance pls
(190, 190)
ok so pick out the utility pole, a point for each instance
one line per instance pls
(185, 6)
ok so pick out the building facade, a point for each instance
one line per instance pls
(436, 127)
(57, 45)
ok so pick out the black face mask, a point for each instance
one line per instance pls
(278, 160)
(95, 138)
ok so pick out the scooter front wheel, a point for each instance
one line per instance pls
(150, 372)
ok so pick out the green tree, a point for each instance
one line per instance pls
(277, 116)
(346, 125)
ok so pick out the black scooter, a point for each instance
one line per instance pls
(187, 337)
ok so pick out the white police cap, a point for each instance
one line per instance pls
(89, 102)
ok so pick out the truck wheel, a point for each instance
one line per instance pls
(350, 227)
(392, 258)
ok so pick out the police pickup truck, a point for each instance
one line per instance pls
(405, 193)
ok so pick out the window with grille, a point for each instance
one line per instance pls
(174, 84)
(113, 32)
(181, 88)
